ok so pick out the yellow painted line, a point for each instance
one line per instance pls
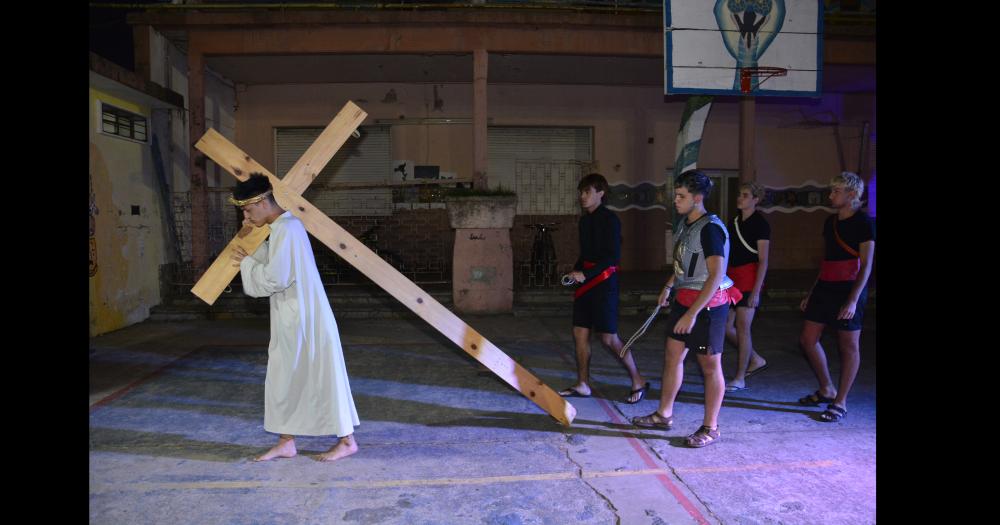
(761, 466)
(208, 485)
(486, 480)
(618, 474)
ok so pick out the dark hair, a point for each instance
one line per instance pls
(252, 187)
(593, 180)
(695, 182)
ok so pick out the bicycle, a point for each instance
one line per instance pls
(542, 268)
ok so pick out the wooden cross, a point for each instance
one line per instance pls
(288, 194)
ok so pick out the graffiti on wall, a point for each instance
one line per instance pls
(93, 228)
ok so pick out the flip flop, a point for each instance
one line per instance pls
(641, 392)
(731, 388)
(571, 392)
(756, 370)
(833, 413)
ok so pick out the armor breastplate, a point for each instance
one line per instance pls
(690, 268)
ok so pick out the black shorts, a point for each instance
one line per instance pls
(825, 303)
(745, 301)
(708, 335)
(597, 309)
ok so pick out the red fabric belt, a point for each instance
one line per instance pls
(687, 297)
(840, 270)
(598, 279)
(743, 276)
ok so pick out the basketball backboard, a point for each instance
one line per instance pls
(707, 43)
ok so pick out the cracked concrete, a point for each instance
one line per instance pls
(579, 467)
(177, 413)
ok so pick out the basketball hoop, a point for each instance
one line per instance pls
(763, 73)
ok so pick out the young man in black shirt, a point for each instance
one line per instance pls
(838, 297)
(747, 267)
(595, 303)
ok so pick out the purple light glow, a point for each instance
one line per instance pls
(871, 195)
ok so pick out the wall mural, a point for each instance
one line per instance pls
(809, 197)
(642, 196)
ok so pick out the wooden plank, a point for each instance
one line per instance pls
(221, 272)
(421, 303)
(324, 147)
(412, 296)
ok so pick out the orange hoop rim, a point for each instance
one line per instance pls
(759, 71)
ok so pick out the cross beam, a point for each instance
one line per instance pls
(321, 226)
(221, 272)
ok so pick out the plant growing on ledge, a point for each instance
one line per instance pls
(499, 191)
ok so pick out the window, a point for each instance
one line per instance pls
(121, 123)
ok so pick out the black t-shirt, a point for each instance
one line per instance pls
(713, 240)
(854, 230)
(600, 241)
(754, 229)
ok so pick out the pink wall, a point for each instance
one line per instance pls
(624, 119)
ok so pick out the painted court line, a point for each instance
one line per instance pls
(663, 478)
(397, 483)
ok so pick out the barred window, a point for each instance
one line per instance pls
(121, 123)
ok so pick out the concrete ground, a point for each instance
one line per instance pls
(177, 414)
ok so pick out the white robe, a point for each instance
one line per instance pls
(306, 392)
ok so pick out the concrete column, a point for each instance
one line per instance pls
(480, 156)
(196, 128)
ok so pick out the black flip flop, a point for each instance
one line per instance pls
(571, 392)
(641, 392)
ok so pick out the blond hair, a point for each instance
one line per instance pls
(756, 189)
(851, 182)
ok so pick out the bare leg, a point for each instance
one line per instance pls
(614, 345)
(673, 375)
(813, 350)
(581, 337)
(345, 446)
(284, 449)
(731, 336)
(850, 360)
(715, 387)
(747, 355)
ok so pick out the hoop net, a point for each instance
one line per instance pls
(762, 73)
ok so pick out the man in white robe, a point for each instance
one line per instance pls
(306, 391)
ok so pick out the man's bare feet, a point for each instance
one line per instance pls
(284, 449)
(345, 447)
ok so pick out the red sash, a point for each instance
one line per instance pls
(598, 279)
(687, 297)
(743, 276)
(840, 270)
(836, 235)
